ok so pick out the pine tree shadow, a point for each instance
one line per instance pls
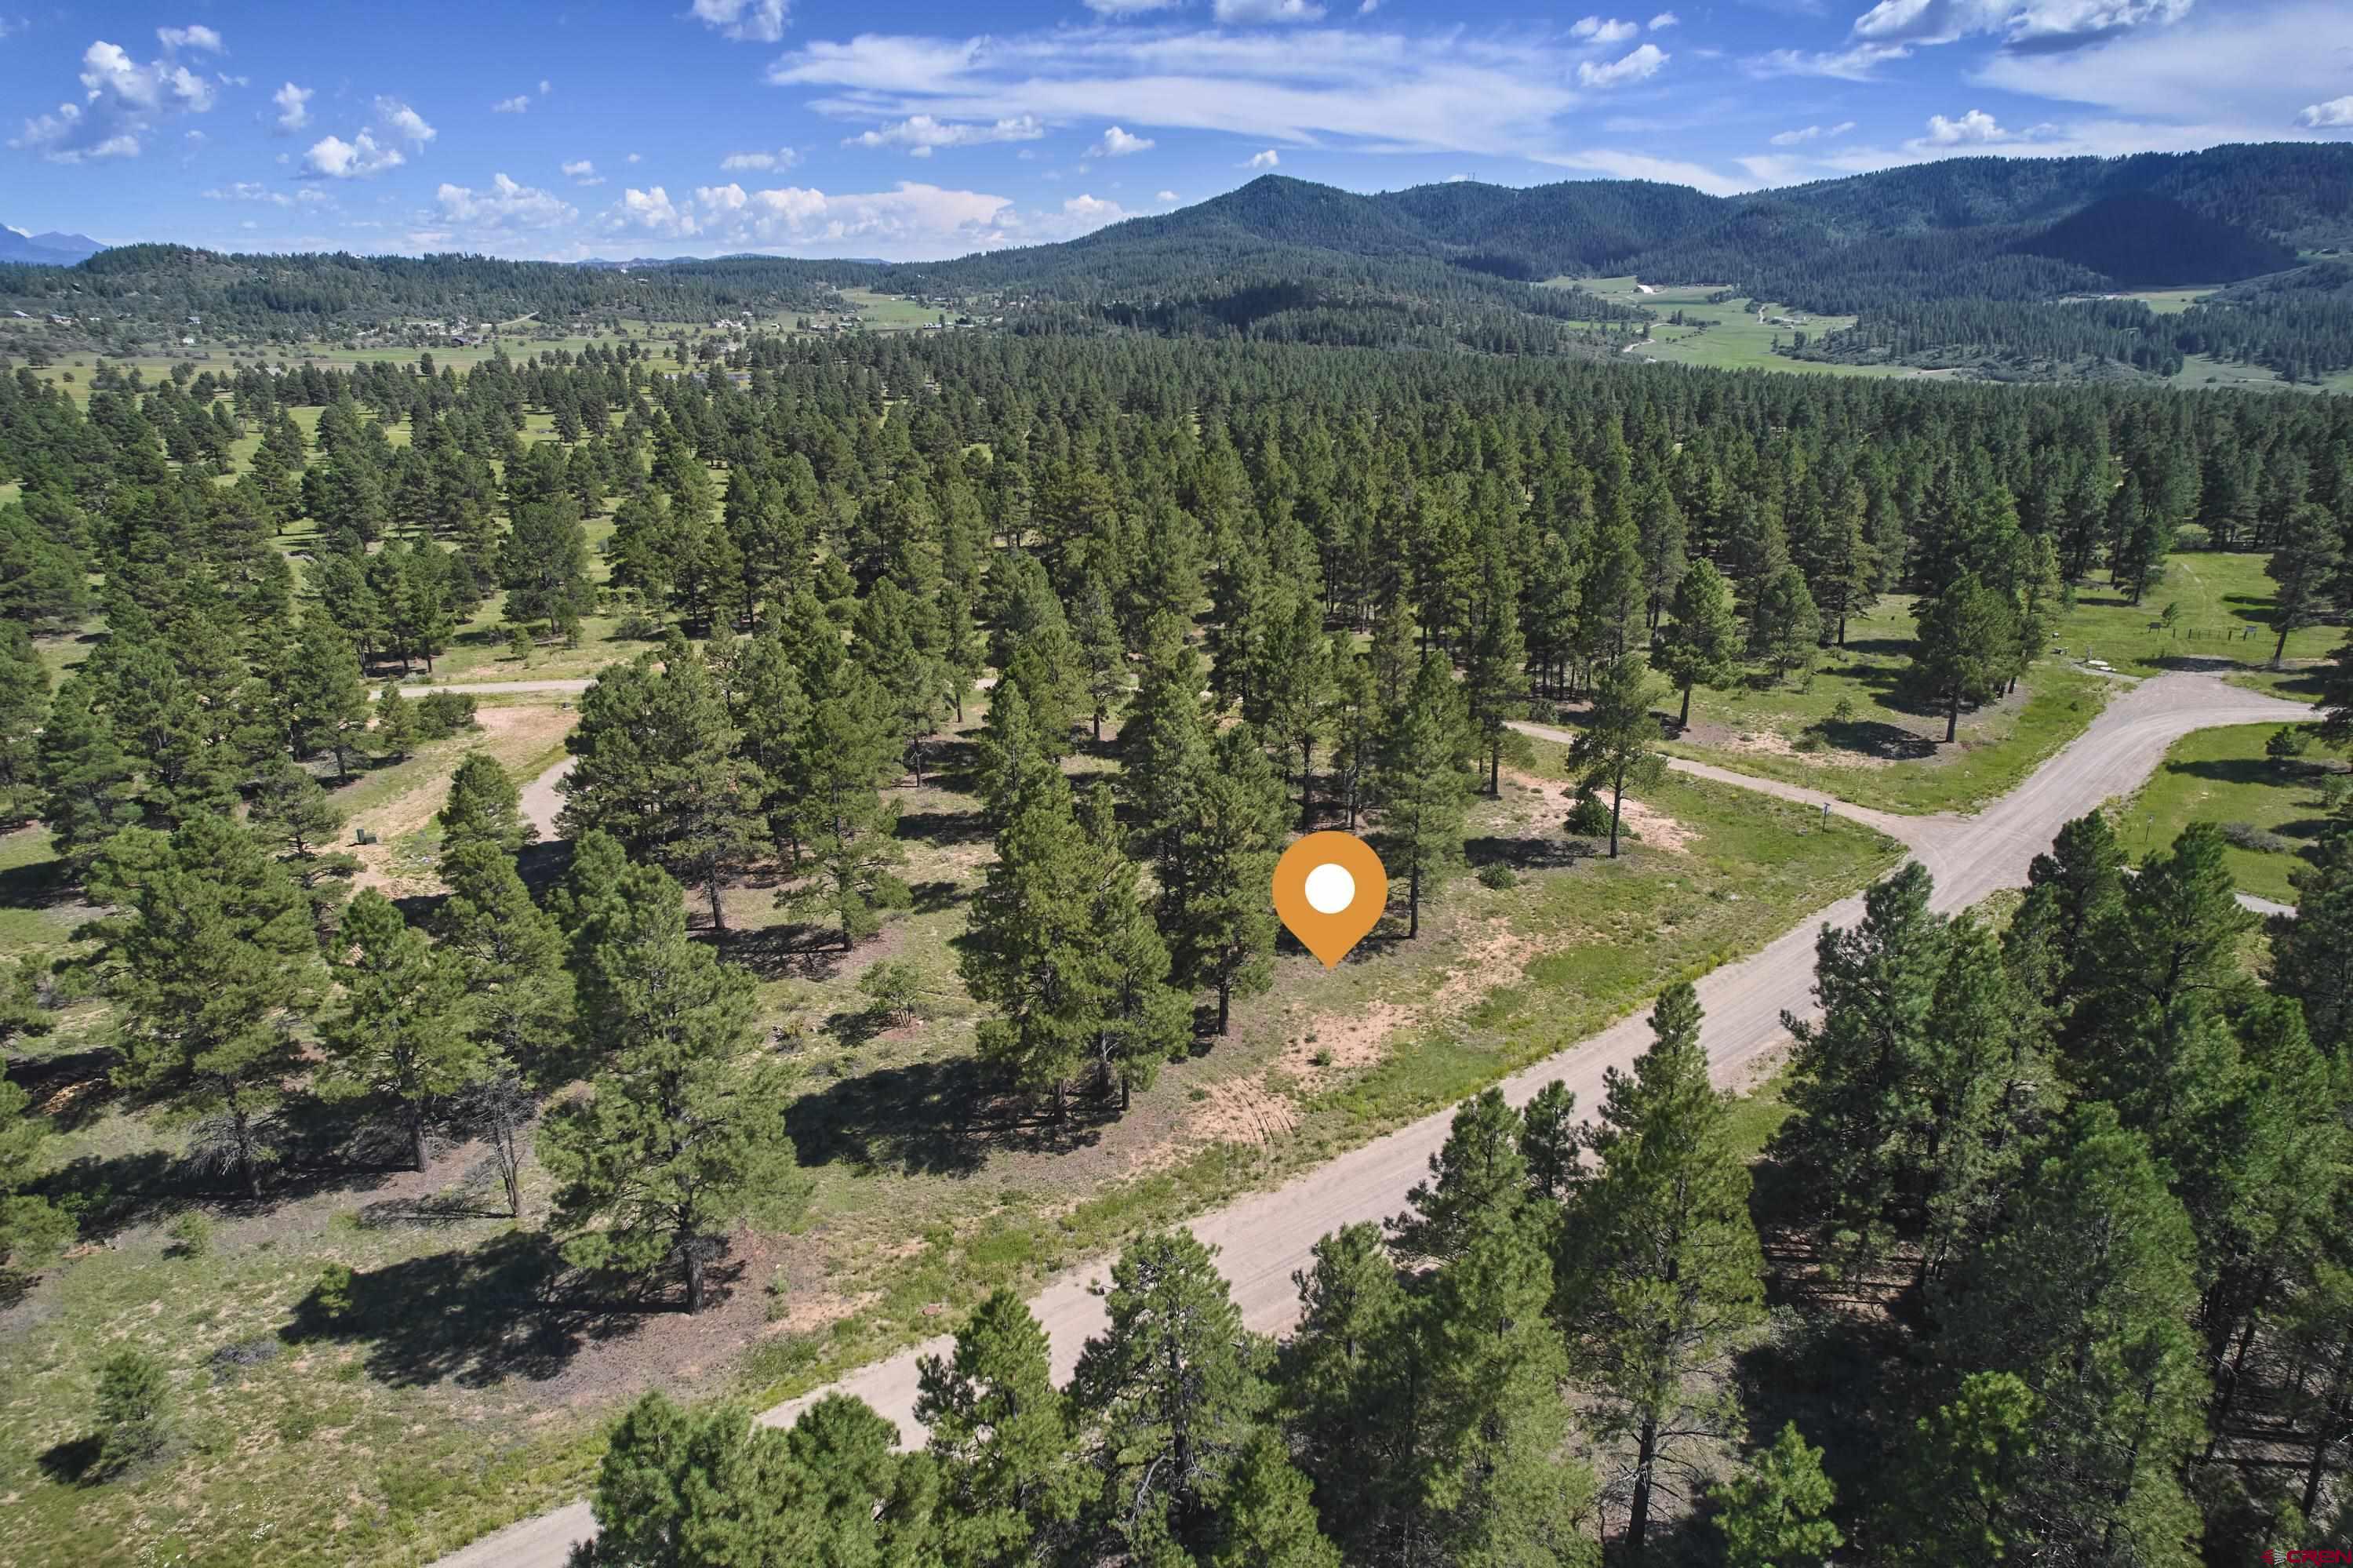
(508, 1307)
(1535, 852)
(71, 1088)
(943, 829)
(1875, 737)
(936, 1119)
(799, 949)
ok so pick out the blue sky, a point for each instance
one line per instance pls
(815, 127)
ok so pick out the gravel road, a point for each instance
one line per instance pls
(1262, 1238)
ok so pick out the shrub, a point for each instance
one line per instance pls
(1497, 876)
(2335, 791)
(2289, 741)
(332, 1295)
(440, 714)
(133, 1410)
(2247, 836)
(893, 988)
(191, 1233)
(1588, 817)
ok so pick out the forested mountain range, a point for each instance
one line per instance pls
(1963, 262)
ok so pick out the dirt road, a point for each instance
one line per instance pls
(1263, 1237)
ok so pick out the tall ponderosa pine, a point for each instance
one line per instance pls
(2084, 1295)
(211, 958)
(1616, 746)
(680, 1135)
(1660, 1273)
(1702, 644)
(1858, 1081)
(1173, 1387)
(1422, 786)
(1214, 907)
(1004, 1439)
(400, 1033)
(656, 764)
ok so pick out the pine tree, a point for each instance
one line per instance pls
(1858, 1076)
(543, 564)
(2304, 567)
(1351, 1392)
(89, 788)
(1163, 743)
(1267, 1515)
(1478, 1181)
(655, 763)
(1957, 1487)
(1029, 950)
(847, 747)
(1294, 695)
(1966, 648)
(23, 710)
(510, 956)
(1173, 1388)
(1703, 642)
(2084, 1295)
(1785, 626)
(1422, 787)
(1145, 1020)
(1003, 1437)
(1615, 746)
(325, 698)
(680, 1137)
(1214, 907)
(1771, 1512)
(483, 806)
(395, 734)
(2312, 955)
(400, 1033)
(1660, 1276)
(211, 959)
(1496, 675)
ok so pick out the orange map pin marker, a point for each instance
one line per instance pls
(1330, 890)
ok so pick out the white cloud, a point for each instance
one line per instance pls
(1853, 63)
(1640, 65)
(1266, 159)
(194, 36)
(1369, 89)
(1595, 30)
(634, 158)
(1809, 132)
(1166, 196)
(1084, 205)
(2039, 25)
(583, 172)
(1257, 13)
(253, 190)
(919, 221)
(293, 106)
(1118, 144)
(2251, 70)
(402, 122)
(1976, 125)
(520, 103)
(371, 150)
(756, 21)
(121, 102)
(545, 87)
(1665, 20)
(356, 159)
(2335, 112)
(781, 158)
(506, 204)
(920, 133)
(1620, 165)
(1128, 8)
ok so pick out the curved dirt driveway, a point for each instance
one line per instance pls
(1266, 1235)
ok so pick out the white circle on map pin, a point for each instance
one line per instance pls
(1330, 889)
